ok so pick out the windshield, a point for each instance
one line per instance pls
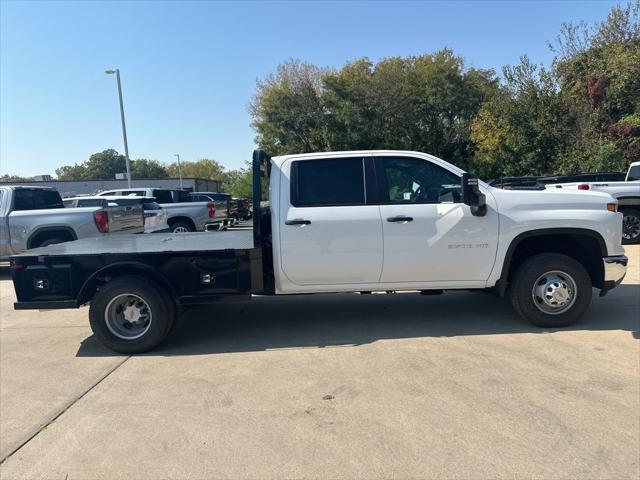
(634, 173)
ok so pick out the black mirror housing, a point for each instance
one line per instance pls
(472, 196)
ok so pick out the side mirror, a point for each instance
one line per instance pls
(472, 196)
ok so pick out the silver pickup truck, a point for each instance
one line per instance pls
(33, 217)
(183, 214)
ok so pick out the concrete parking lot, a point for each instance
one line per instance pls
(344, 386)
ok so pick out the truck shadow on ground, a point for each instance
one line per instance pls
(340, 320)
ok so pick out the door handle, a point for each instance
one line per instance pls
(400, 219)
(297, 221)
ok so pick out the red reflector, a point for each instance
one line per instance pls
(16, 266)
(102, 221)
(583, 186)
(212, 210)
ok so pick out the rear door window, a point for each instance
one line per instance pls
(34, 199)
(325, 183)
(92, 202)
(163, 196)
(182, 196)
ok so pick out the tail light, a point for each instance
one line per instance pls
(583, 186)
(102, 221)
(212, 210)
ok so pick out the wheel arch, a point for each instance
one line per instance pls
(586, 246)
(181, 218)
(90, 286)
(50, 232)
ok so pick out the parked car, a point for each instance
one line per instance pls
(626, 192)
(221, 219)
(391, 220)
(33, 217)
(183, 215)
(232, 210)
(155, 217)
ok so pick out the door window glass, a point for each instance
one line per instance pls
(28, 199)
(92, 202)
(412, 180)
(182, 196)
(163, 196)
(327, 182)
(634, 173)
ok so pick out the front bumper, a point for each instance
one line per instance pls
(615, 268)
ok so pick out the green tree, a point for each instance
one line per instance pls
(203, 168)
(72, 172)
(239, 183)
(525, 128)
(143, 168)
(424, 103)
(287, 110)
(13, 178)
(105, 164)
(598, 69)
(421, 103)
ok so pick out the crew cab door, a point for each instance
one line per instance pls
(429, 234)
(329, 235)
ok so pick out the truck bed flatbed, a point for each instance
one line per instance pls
(150, 243)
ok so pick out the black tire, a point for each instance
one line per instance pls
(182, 227)
(532, 272)
(630, 226)
(158, 302)
(52, 241)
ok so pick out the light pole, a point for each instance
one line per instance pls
(179, 169)
(124, 127)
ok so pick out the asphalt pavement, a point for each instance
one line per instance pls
(328, 386)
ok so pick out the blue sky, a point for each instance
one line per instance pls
(189, 68)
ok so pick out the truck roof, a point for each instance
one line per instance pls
(30, 187)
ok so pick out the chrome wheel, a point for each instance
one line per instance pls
(630, 226)
(128, 316)
(554, 292)
(180, 229)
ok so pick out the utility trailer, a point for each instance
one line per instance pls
(343, 222)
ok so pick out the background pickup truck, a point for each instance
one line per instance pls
(33, 217)
(626, 192)
(358, 221)
(183, 215)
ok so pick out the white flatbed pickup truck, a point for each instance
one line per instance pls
(627, 193)
(344, 222)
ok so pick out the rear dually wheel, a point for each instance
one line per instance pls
(131, 314)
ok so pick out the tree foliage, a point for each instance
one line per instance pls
(420, 103)
(239, 183)
(203, 168)
(578, 114)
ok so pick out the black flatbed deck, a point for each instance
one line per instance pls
(150, 243)
(191, 268)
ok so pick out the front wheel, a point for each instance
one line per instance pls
(551, 290)
(630, 225)
(131, 314)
